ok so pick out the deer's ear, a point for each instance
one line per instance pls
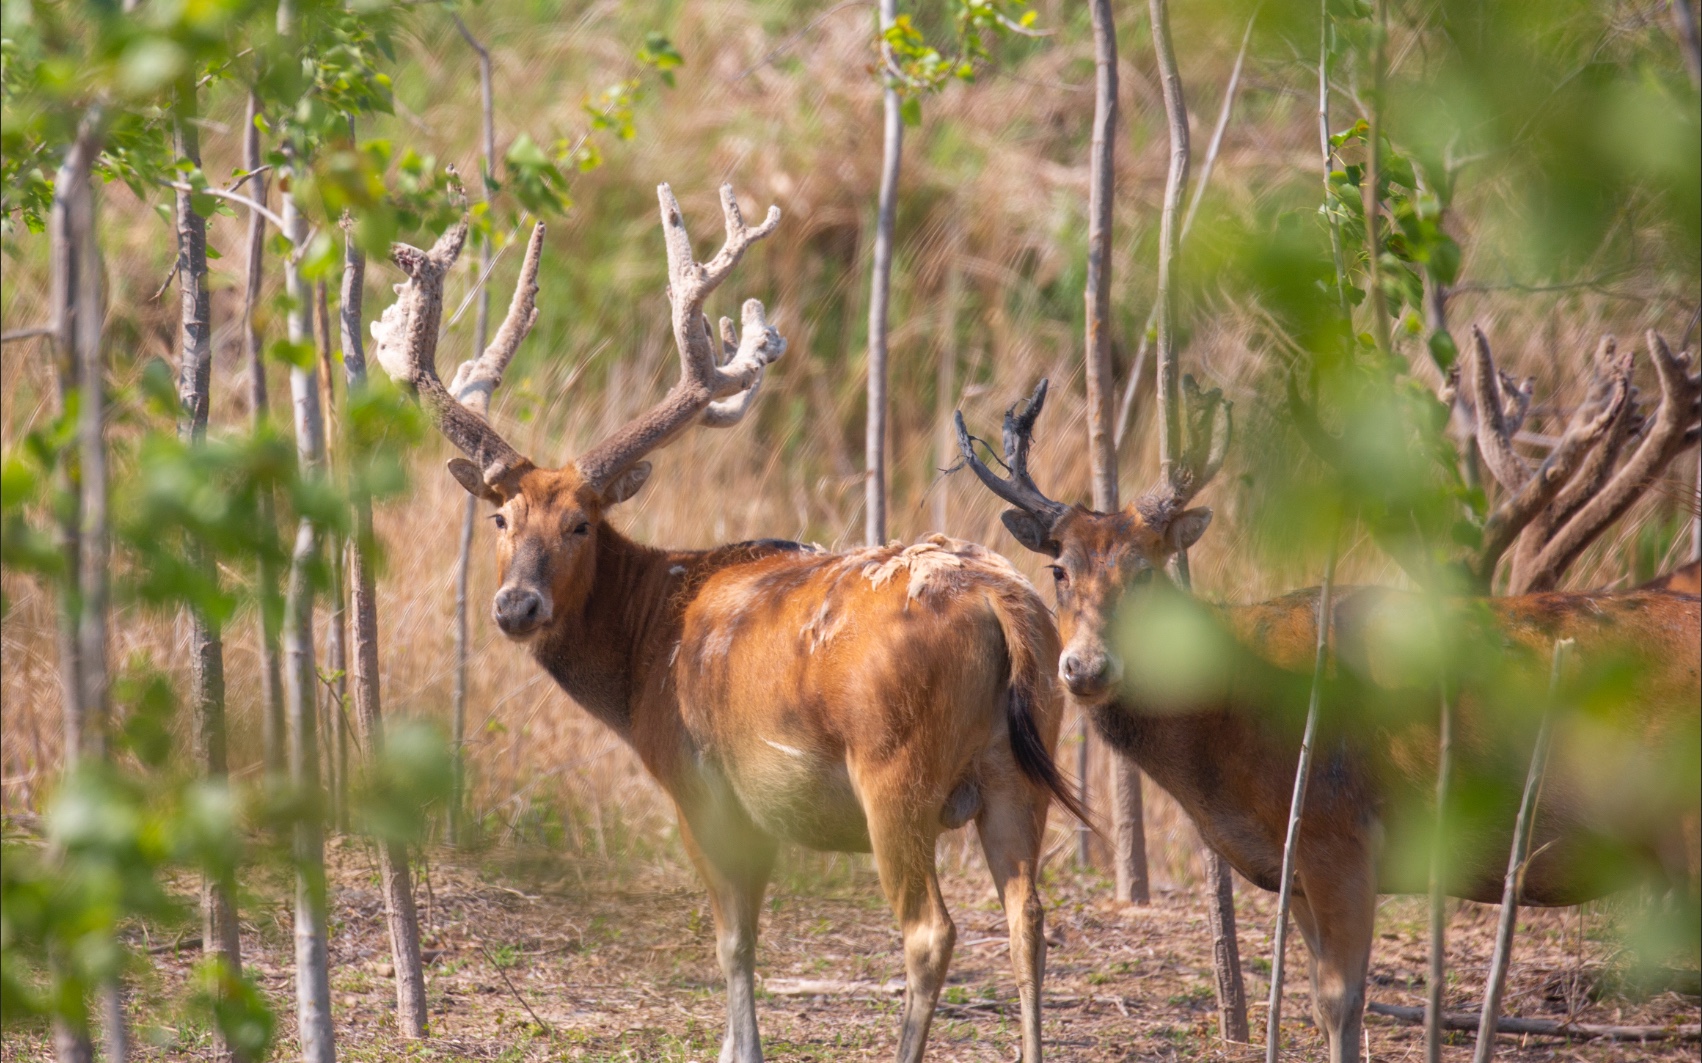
(1029, 531)
(472, 478)
(627, 483)
(1187, 527)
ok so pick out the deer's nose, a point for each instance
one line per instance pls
(519, 610)
(1087, 672)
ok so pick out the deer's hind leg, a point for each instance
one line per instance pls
(903, 843)
(1012, 825)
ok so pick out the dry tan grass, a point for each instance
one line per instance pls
(994, 189)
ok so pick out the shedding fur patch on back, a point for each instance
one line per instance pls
(937, 564)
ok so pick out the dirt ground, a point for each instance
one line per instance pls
(541, 958)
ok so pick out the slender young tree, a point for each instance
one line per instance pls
(1518, 858)
(76, 327)
(313, 977)
(94, 556)
(1373, 177)
(273, 730)
(1129, 857)
(469, 515)
(399, 912)
(880, 295)
(335, 680)
(1296, 810)
(1126, 406)
(1231, 990)
(219, 938)
(945, 378)
(1438, 969)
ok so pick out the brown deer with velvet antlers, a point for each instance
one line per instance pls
(862, 701)
(1227, 753)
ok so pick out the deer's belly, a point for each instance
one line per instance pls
(799, 795)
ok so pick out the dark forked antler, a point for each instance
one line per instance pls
(1019, 488)
(712, 391)
(1208, 418)
(405, 344)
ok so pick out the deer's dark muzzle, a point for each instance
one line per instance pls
(1090, 674)
(519, 611)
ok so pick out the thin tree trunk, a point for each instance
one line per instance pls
(219, 937)
(1226, 950)
(1329, 154)
(74, 277)
(1144, 347)
(1368, 188)
(945, 380)
(1169, 372)
(1438, 889)
(458, 715)
(336, 622)
(880, 293)
(1100, 203)
(464, 560)
(313, 982)
(1296, 808)
(1129, 858)
(92, 577)
(1231, 990)
(273, 733)
(399, 911)
(94, 538)
(1517, 859)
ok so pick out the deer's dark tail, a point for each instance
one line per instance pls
(1029, 683)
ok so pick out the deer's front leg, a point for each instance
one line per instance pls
(1337, 916)
(734, 859)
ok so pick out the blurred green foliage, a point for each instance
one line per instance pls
(916, 67)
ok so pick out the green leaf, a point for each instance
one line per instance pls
(1443, 350)
(299, 355)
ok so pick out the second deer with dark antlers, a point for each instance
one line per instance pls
(1227, 749)
(862, 701)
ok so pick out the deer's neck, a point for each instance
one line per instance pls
(615, 646)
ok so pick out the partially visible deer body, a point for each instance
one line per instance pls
(1685, 579)
(1228, 755)
(862, 701)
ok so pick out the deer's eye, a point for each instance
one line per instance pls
(582, 528)
(1059, 575)
(500, 521)
(1143, 577)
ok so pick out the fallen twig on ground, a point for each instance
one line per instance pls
(1583, 1031)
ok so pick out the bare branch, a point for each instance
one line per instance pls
(26, 333)
(236, 197)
